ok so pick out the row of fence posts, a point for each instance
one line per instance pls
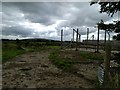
(107, 50)
(78, 38)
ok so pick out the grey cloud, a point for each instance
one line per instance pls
(11, 15)
(44, 13)
(47, 13)
(85, 15)
(88, 16)
(17, 30)
(74, 14)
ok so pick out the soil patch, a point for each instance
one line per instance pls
(35, 70)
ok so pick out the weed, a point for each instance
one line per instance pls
(58, 61)
(91, 55)
(10, 53)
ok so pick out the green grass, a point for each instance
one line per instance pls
(65, 64)
(58, 61)
(9, 49)
(54, 47)
(91, 55)
(10, 53)
(40, 48)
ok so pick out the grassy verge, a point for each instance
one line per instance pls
(10, 53)
(42, 48)
(10, 50)
(58, 61)
(64, 63)
(91, 55)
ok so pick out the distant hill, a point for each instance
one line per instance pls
(37, 40)
(33, 39)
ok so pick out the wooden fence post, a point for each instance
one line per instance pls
(61, 38)
(87, 37)
(105, 39)
(73, 35)
(77, 40)
(87, 33)
(98, 41)
(107, 62)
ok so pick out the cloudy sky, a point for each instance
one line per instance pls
(46, 19)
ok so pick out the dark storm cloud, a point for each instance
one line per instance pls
(44, 13)
(48, 13)
(38, 13)
(17, 30)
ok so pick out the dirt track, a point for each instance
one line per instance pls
(34, 70)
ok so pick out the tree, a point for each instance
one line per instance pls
(114, 37)
(107, 28)
(110, 8)
(117, 29)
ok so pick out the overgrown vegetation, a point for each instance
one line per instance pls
(113, 81)
(91, 55)
(67, 65)
(10, 48)
(10, 53)
(64, 63)
(58, 61)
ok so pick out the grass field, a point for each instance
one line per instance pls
(59, 61)
(10, 50)
(92, 55)
(66, 59)
(61, 58)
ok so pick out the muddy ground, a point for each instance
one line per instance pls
(35, 70)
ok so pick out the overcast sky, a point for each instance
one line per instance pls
(46, 19)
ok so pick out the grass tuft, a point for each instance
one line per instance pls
(91, 55)
(58, 61)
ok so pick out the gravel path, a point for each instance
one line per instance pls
(34, 70)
